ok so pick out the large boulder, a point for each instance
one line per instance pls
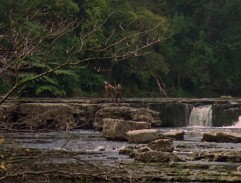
(142, 136)
(173, 134)
(46, 115)
(117, 129)
(164, 145)
(160, 150)
(126, 113)
(221, 137)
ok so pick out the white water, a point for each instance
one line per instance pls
(201, 116)
(237, 124)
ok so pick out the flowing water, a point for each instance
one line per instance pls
(94, 147)
(201, 116)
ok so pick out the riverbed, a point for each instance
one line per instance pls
(89, 146)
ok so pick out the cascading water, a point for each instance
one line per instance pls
(237, 124)
(201, 116)
(187, 111)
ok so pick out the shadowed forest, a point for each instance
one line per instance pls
(68, 48)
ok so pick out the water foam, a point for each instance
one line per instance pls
(201, 116)
(237, 124)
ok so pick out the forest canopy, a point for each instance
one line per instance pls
(68, 48)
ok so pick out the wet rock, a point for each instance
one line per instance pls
(156, 156)
(126, 113)
(226, 114)
(127, 150)
(173, 114)
(99, 148)
(117, 129)
(221, 137)
(164, 145)
(142, 136)
(174, 134)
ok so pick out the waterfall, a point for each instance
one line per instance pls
(237, 124)
(201, 116)
(187, 111)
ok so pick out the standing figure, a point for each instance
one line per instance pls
(108, 89)
(118, 93)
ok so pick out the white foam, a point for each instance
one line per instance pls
(201, 116)
(237, 124)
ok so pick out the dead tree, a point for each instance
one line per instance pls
(18, 44)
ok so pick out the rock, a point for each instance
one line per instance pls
(164, 145)
(126, 113)
(218, 156)
(221, 137)
(117, 129)
(142, 136)
(7, 111)
(85, 114)
(173, 114)
(127, 150)
(99, 148)
(225, 114)
(174, 134)
(156, 156)
(47, 115)
(239, 169)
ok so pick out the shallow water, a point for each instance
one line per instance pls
(94, 147)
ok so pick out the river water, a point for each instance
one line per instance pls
(94, 147)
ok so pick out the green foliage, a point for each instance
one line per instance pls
(201, 58)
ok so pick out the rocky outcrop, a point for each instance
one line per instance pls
(46, 116)
(160, 150)
(173, 134)
(225, 114)
(142, 136)
(117, 128)
(126, 113)
(84, 112)
(156, 156)
(218, 156)
(173, 114)
(164, 145)
(221, 137)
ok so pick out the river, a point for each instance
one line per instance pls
(90, 146)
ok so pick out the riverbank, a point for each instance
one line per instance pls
(85, 156)
(80, 113)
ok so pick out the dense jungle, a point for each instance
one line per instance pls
(154, 48)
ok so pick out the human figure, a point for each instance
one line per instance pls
(118, 93)
(108, 89)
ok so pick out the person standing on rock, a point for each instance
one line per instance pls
(108, 89)
(118, 93)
